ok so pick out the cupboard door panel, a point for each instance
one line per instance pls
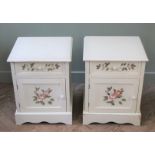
(42, 95)
(113, 95)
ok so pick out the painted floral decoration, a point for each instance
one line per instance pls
(127, 66)
(114, 96)
(42, 67)
(43, 96)
(107, 66)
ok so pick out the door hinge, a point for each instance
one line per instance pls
(88, 86)
(19, 105)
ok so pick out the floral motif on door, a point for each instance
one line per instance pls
(114, 96)
(42, 96)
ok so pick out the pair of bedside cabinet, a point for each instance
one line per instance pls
(114, 73)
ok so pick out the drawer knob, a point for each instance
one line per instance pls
(62, 96)
(114, 68)
(39, 67)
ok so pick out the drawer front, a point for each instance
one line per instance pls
(42, 95)
(113, 95)
(105, 68)
(36, 67)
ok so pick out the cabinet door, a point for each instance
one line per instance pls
(42, 95)
(113, 95)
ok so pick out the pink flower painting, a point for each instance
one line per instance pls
(43, 96)
(114, 94)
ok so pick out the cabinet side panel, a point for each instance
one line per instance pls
(141, 80)
(86, 95)
(15, 86)
(68, 96)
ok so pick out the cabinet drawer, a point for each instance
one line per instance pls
(42, 95)
(113, 95)
(40, 67)
(111, 68)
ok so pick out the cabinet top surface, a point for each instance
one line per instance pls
(41, 49)
(113, 48)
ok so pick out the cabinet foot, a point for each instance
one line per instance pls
(121, 118)
(59, 117)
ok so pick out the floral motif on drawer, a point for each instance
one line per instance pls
(42, 96)
(124, 66)
(49, 67)
(114, 96)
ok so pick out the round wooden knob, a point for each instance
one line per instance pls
(133, 97)
(39, 67)
(114, 68)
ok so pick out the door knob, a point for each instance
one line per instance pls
(39, 67)
(133, 97)
(62, 96)
(114, 68)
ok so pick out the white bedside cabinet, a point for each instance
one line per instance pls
(114, 73)
(41, 79)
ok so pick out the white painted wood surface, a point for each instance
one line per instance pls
(120, 118)
(113, 48)
(98, 90)
(42, 49)
(27, 92)
(33, 67)
(49, 117)
(42, 81)
(113, 79)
